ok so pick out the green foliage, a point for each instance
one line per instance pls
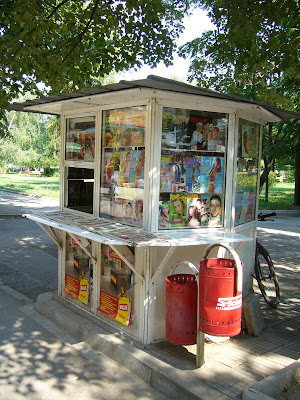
(66, 44)
(30, 140)
(272, 178)
(254, 44)
(253, 52)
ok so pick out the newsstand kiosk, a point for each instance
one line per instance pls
(152, 172)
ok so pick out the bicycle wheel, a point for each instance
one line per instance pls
(266, 276)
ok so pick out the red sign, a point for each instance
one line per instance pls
(72, 286)
(108, 304)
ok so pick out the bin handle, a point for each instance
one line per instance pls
(238, 264)
(188, 264)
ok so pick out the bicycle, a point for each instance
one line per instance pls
(265, 272)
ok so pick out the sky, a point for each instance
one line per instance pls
(194, 24)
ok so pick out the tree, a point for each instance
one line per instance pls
(67, 44)
(32, 140)
(254, 42)
(253, 53)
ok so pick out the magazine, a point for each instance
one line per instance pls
(204, 198)
(179, 173)
(193, 167)
(136, 169)
(137, 137)
(164, 212)
(193, 209)
(124, 167)
(216, 138)
(215, 210)
(138, 212)
(178, 210)
(249, 141)
(111, 164)
(211, 178)
(166, 166)
(168, 140)
(127, 211)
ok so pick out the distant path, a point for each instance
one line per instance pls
(12, 203)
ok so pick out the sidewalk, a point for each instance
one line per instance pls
(229, 369)
(40, 361)
(27, 336)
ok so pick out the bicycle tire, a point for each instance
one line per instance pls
(266, 277)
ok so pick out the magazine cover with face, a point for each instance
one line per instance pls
(164, 212)
(178, 210)
(215, 210)
(193, 173)
(211, 179)
(193, 209)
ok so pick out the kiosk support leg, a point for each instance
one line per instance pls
(200, 349)
(51, 234)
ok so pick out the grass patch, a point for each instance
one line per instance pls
(34, 185)
(281, 197)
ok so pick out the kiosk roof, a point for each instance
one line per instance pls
(49, 104)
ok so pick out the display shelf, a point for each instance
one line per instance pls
(121, 234)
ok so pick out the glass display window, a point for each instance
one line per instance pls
(78, 272)
(192, 178)
(116, 298)
(123, 162)
(247, 172)
(80, 139)
(80, 189)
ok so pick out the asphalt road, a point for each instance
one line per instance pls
(28, 257)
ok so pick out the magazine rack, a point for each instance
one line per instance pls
(152, 171)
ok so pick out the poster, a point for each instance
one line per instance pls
(72, 286)
(118, 308)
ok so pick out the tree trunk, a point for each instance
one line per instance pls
(266, 173)
(297, 179)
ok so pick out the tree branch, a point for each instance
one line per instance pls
(83, 32)
(57, 8)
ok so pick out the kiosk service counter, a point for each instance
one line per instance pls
(152, 172)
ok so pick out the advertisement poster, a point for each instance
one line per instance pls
(118, 308)
(83, 295)
(72, 286)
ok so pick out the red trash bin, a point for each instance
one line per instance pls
(220, 294)
(181, 306)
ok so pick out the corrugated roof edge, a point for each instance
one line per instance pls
(153, 82)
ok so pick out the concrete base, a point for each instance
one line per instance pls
(270, 388)
(176, 385)
(252, 315)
